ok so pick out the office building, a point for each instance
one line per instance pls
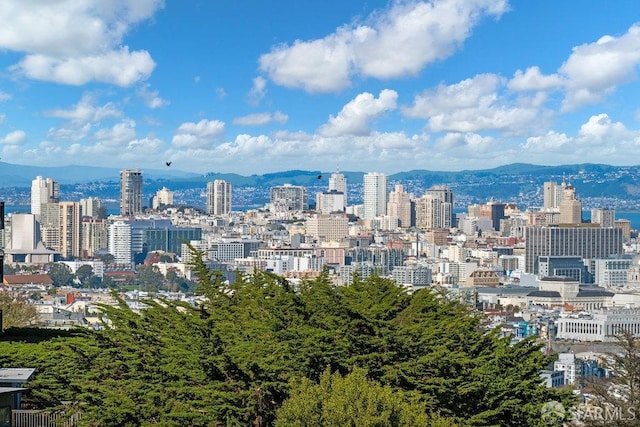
(289, 197)
(375, 195)
(327, 227)
(43, 191)
(330, 201)
(218, 197)
(604, 217)
(130, 192)
(399, 206)
(446, 196)
(570, 206)
(91, 207)
(552, 195)
(338, 183)
(586, 241)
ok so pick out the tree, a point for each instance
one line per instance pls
(84, 273)
(149, 277)
(619, 395)
(352, 400)
(60, 274)
(16, 311)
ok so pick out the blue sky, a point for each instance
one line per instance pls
(253, 87)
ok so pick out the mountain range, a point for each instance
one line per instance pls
(598, 185)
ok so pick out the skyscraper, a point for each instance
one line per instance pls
(130, 192)
(70, 229)
(570, 206)
(218, 197)
(289, 197)
(375, 195)
(338, 182)
(445, 194)
(399, 205)
(552, 195)
(43, 191)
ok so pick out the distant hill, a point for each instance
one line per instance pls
(596, 184)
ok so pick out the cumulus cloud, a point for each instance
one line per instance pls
(118, 134)
(533, 80)
(150, 97)
(4, 96)
(391, 43)
(16, 137)
(472, 105)
(261, 119)
(356, 116)
(258, 91)
(594, 70)
(198, 135)
(75, 42)
(462, 145)
(86, 111)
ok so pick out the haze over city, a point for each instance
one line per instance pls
(259, 87)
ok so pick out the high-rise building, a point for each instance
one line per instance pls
(338, 182)
(289, 197)
(70, 245)
(218, 197)
(130, 192)
(570, 206)
(445, 194)
(399, 205)
(586, 241)
(43, 191)
(604, 217)
(120, 243)
(95, 236)
(429, 212)
(330, 201)
(552, 195)
(327, 227)
(90, 206)
(375, 195)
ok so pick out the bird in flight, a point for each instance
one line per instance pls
(168, 163)
(319, 176)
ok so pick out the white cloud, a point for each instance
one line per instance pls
(463, 145)
(392, 43)
(118, 67)
(596, 69)
(258, 91)
(198, 135)
(75, 42)
(16, 137)
(473, 105)
(151, 98)
(261, 119)
(118, 134)
(533, 80)
(86, 111)
(356, 116)
(4, 96)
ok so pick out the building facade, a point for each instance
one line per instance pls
(130, 192)
(375, 195)
(218, 197)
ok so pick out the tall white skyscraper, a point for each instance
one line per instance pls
(120, 242)
(399, 205)
(43, 191)
(375, 195)
(218, 197)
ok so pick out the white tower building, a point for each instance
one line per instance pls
(375, 195)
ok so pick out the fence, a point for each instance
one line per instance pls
(32, 418)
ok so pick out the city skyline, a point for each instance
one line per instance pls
(377, 86)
